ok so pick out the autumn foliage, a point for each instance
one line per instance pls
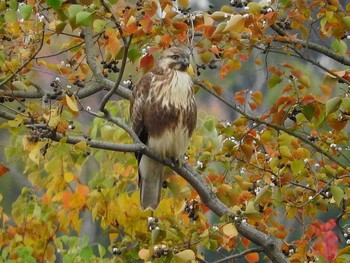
(266, 180)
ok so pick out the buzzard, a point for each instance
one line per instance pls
(163, 114)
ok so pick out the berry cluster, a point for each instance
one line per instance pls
(109, 67)
(116, 251)
(211, 65)
(191, 209)
(238, 3)
(290, 251)
(347, 236)
(160, 250)
(152, 223)
(5, 38)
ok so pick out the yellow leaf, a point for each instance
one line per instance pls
(230, 230)
(235, 24)
(144, 254)
(183, 3)
(68, 176)
(80, 146)
(184, 256)
(34, 154)
(285, 151)
(72, 103)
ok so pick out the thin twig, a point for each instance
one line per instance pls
(240, 255)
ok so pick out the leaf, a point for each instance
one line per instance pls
(274, 81)
(3, 170)
(230, 230)
(25, 11)
(285, 151)
(147, 62)
(144, 254)
(333, 104)
(337, 193)
(297, 166)
(84, 18)
(74, 9)
(184, 256)
(72, 103)
(252, 257)
(19, 85)
(68, 176)
(101, 250)
(339, 46)
(183, 3)
(55, 4)
(235, 24)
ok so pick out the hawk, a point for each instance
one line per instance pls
(164, 114)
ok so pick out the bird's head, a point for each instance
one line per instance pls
(174, 58)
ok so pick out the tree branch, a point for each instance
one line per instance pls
(197, 182)
(345, 60)
(272, 125)
(239, 255)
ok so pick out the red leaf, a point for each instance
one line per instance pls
(3, 170)
(146, 62)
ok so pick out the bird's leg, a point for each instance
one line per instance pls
(174, 161)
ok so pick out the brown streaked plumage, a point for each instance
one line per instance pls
(163, 114)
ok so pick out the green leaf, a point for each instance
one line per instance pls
(285, 151)
(10, 16)
(274, 81)
(101, 250)
(297, 166)
(134, 54)
(99, 25)
(25, 11)
(345, 102)
(55, 4)
(346, 21)
(333, 104)
(309, 111)
(84, 18)
(337, 193)
(86, 254)
(74, 9)
(339, 46)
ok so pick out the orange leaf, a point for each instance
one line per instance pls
(180, 26)
(3, 170)
(146, 62)
(66, 196)
(82, 189)
(252, 257)
(146, 24)
(164, 41)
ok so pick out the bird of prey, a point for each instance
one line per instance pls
(164, 114)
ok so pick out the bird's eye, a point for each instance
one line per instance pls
(175, 57)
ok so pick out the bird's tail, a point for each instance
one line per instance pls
(150, 182)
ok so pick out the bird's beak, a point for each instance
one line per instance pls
(185, 62)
